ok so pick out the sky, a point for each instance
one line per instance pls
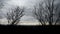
(21, 3)
(28, 4)
(6, 5)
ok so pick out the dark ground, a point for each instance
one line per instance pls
(15, 28)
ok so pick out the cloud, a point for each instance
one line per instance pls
(28, 18)
(8, 4)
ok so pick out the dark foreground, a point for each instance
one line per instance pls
(15, 28)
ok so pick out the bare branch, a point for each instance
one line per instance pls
(45, 13)
(15, 15)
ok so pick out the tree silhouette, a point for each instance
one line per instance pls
(46, 10)
(15, 16)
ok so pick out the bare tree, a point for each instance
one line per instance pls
(38, 14)
(46, 11)
(50, 7)
(58, 14)
(15, 15)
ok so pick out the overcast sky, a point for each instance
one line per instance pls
(21, 3)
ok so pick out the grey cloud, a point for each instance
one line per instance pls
(25, 3)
